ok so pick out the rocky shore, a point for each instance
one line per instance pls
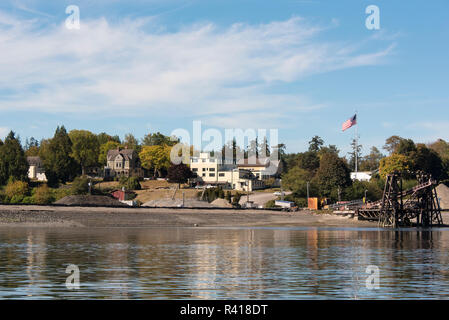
(103, 217)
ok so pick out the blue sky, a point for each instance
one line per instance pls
(302, 67)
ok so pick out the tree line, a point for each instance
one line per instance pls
(70, 154)
(326, 174)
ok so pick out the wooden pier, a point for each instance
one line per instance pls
(417, 206)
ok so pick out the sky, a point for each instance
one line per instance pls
(301, 67)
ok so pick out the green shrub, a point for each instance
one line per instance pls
(61, 193)
(123, 180)
(131, 183)
(210, 194)
(28, 200)
(43, 195)
(236, 199)
(300, 202)
(270, 204)
(134, 184)
(228, 196)
(16, 199)
(17, 190)
(357, 190)
(80, 185)
(214, 193)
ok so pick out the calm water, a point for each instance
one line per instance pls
(197, 263)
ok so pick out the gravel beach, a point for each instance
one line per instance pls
(103, 217)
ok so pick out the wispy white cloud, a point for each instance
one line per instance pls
(202, 70)
(19, 5)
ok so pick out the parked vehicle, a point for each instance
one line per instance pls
(278, 193)
(286, 205)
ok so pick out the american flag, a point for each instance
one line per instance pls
(349, 123)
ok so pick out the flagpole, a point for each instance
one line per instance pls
(356, 143)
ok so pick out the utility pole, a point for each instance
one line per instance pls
(339, 197)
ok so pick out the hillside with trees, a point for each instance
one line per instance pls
(328, 175)
(67, 156)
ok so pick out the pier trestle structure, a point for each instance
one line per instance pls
(417, 206)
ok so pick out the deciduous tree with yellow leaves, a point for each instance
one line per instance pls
(155, 158)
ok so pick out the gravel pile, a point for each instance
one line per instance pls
(88, 200)
(443, 194)
(188, 203)
(222, 203)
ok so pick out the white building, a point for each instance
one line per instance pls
(246, 175)
(36, 169)
(361, 176)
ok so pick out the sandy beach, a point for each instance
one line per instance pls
(100, 217)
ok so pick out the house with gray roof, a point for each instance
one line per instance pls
(36, 169)
(123, 162)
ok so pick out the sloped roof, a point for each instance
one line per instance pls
(253, 162)
(34, 161)
(270, 167)
(126, 153)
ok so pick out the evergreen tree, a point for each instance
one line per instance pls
(13, 162)
(332, 174)
(356, 150)
(104, 138)
(428, 161)
(55, 154)
(253, 149)
(264, 148)
(308, 161)
(406, 147)
(231, 152)
(158, 139)
(329, 149)
(315, 144)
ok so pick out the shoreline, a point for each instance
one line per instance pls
(110, 217)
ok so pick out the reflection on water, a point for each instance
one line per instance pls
(197, 263)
